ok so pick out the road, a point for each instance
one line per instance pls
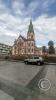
(29, 76)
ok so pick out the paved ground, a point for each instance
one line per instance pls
(29, 76)
(18, 72)
(4, 96)
(49, 72)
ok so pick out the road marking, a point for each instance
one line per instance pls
(44, 84)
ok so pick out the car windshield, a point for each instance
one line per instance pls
(36, 57)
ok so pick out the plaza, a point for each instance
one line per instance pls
(18, 77)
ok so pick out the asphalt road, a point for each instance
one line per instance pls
(29, 76)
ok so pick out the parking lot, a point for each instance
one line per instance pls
(29, 76)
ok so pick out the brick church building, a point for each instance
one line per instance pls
(26, 46)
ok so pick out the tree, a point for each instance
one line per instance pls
(50, 43)
(44, 49)
(51, 49)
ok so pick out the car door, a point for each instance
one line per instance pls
(36, 59)
(31, 59)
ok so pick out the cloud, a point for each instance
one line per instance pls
(14, 20)
(7, 39)
(45, 29)
(31, 8)
(20, 9)
(17, 7)
(9, 25)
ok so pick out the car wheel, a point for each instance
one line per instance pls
(26, 62)
(39, 63)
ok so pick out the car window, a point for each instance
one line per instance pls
(31, 58)
(36, 57)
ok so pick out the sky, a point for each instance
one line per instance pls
(15, 17)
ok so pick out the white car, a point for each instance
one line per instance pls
(34, 60)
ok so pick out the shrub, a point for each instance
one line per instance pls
(6, 57)
(19, 58)
(50, 59)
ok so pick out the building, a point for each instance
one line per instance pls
(38, 51)
(4, 49)
(26, 46)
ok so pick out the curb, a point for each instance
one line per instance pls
(46, 63)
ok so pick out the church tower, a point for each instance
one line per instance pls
(30, 34)
(30, 40)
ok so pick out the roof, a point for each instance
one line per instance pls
(22, 37)
(5, 45)
(30, 29)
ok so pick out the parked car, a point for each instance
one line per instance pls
(34, 60)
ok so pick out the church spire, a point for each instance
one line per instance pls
(31, 30)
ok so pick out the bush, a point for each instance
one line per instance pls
(6, 57)
(19, 58)
(50, 59)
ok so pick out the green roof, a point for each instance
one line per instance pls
(30, 30)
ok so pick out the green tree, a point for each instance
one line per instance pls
(51, 49)
(44, 49)
(50, 43)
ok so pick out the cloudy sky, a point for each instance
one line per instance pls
(15, 16)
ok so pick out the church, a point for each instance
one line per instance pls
(26, 46)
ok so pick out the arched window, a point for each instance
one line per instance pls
(29, 50)
(32, 44)
(31, 36)
(32, 50)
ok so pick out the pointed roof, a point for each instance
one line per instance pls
(30, 29)
(22, 37)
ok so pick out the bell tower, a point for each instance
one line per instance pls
(30, 34)
(30, 40)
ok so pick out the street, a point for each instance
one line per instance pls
(28, 76)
